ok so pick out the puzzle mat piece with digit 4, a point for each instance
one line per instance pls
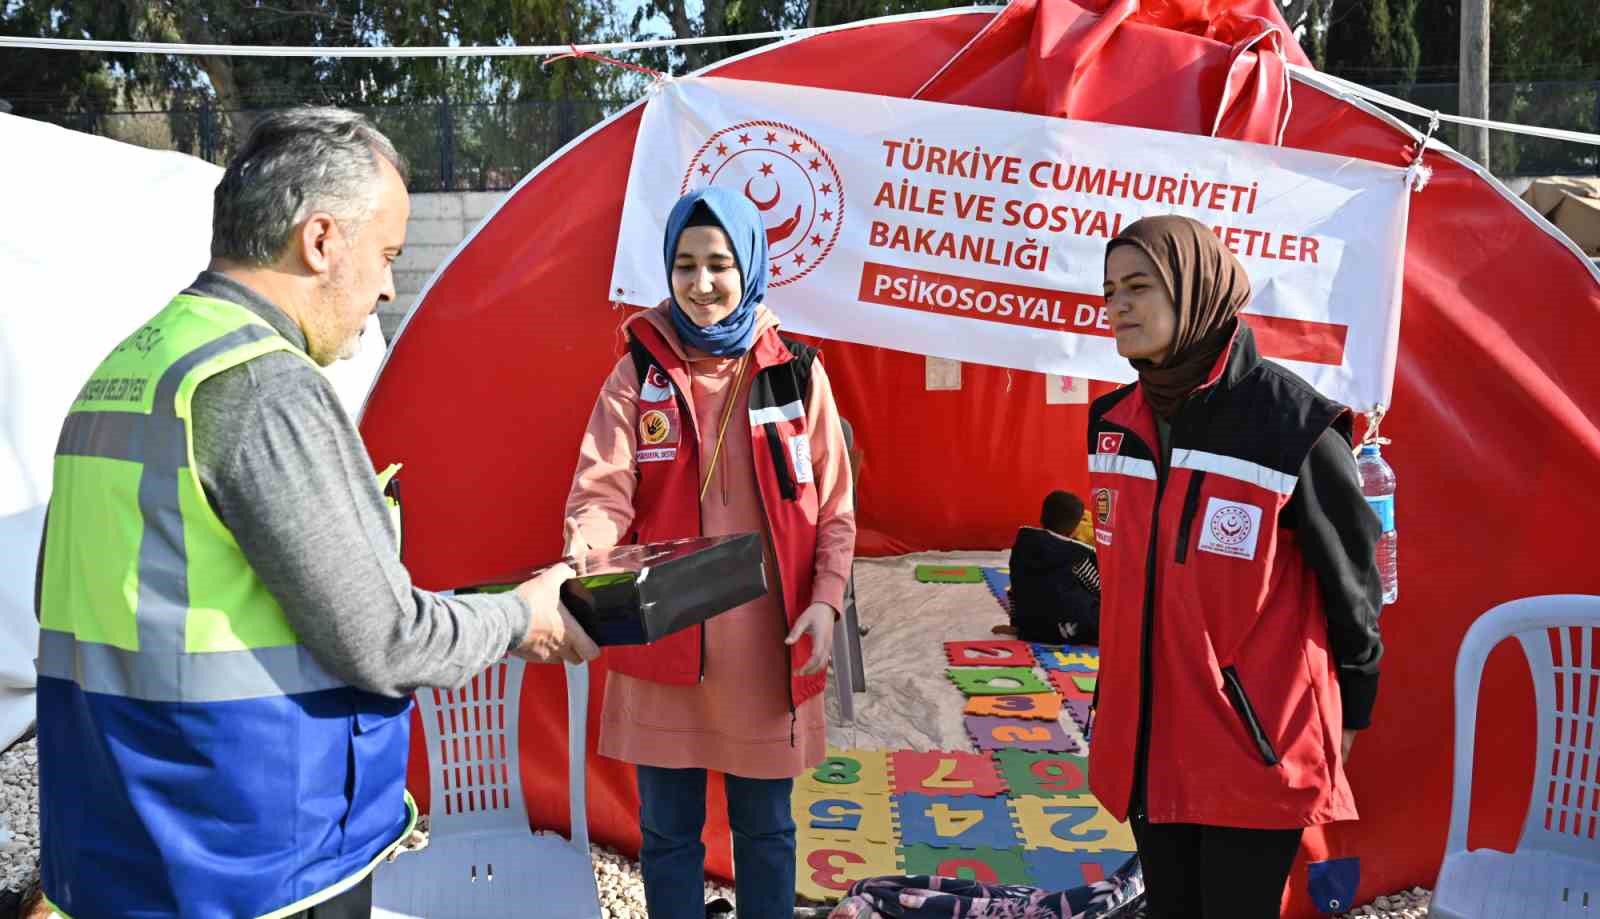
(965, 822)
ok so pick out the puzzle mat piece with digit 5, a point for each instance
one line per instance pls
(842, 816)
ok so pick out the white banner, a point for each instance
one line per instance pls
(979, 235)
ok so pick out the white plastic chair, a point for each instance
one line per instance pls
(1555, 870)
(481, 859)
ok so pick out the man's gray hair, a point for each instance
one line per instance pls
(295, 163)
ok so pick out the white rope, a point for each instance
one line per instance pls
(1388, 101)
(156, 47)
(150, 47)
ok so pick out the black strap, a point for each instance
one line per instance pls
(804, 355)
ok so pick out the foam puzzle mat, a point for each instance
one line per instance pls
(998, 580)
(1015, 808)
(949, 574)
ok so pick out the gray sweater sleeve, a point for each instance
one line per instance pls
(286, 470)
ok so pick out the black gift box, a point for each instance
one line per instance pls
(630, 595)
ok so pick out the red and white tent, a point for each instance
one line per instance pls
(1496, 447)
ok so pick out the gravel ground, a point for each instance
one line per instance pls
(621, 890)
(1407, 904)
(19, 824)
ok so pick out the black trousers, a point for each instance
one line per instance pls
(1208, 872)
(355, 903)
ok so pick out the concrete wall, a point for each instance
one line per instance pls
(439, 222)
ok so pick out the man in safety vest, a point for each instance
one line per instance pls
(228, 638)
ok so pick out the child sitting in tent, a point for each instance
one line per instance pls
(1055, 579)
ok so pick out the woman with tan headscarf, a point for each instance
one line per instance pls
(1240, 594)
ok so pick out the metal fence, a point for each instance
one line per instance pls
(450, 146)
(490, 146)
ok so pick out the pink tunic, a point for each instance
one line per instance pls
(737, 719)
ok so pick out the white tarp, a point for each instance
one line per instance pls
(979, 235)
(95, 236)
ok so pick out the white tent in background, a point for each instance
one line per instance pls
(95, 235)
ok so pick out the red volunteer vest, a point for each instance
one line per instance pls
(667, 498)
(1212, 622)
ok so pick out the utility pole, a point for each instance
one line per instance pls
(1475, 77)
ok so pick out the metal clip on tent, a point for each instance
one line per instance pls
(1418, 173)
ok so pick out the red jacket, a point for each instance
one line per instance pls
(1219, 697)
(667, 499)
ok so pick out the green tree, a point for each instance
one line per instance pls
(731, 17)
(1374, 41)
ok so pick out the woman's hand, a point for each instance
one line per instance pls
(817, 620)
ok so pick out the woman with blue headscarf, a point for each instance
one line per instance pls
(713, 424)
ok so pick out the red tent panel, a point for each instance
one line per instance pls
(487, 391)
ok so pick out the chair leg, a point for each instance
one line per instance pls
(842, 676)
(852, 634)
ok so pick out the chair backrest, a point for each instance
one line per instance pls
(1560, 636)
(474, 766)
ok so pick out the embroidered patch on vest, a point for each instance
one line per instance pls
(1232, 528)
(658, 427)
(1109, 443)
(657, 387)
(654, 427)
(800, 453)
(1103, 537)
(1105, 501)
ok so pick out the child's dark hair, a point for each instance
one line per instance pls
(1061, 513)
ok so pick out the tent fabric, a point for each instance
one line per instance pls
(486, 391)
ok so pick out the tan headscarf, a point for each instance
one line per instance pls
(1208, 287)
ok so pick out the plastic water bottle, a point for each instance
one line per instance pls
(1377, 483)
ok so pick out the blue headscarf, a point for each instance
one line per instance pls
(748, 237)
